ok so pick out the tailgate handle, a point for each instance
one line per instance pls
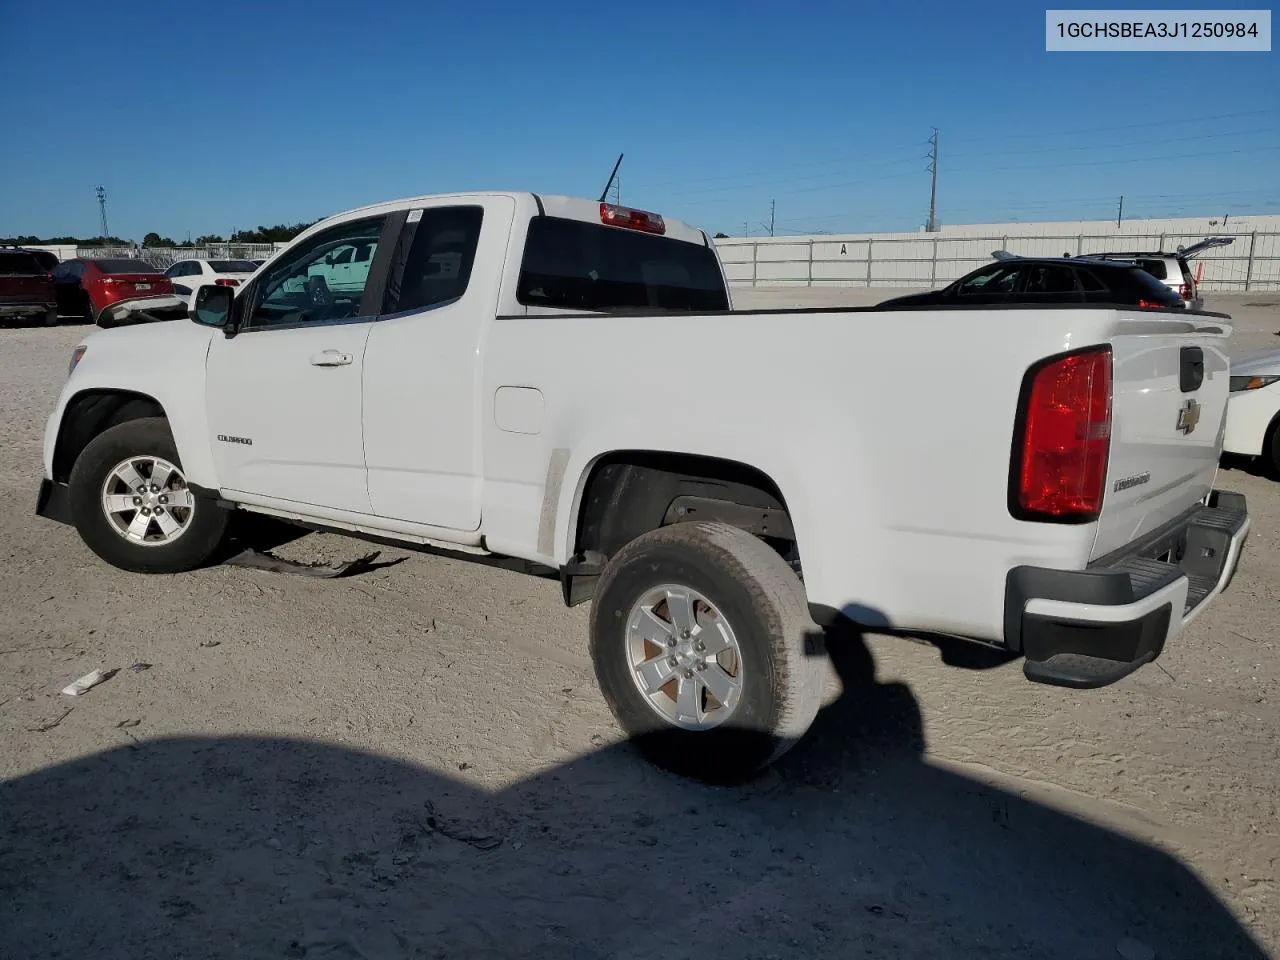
(1191, 373)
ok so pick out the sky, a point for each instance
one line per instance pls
(209, 118)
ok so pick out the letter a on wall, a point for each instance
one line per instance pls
(843, 250)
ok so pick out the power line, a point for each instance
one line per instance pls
(1122, 126)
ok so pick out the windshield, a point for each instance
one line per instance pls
(585, 266)
(232, 266)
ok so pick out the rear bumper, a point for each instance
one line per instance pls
(1092, 627)
(25, 309)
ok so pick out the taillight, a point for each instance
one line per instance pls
(226, 282)
(1060, 466)
(617, 216)
(1152, 305)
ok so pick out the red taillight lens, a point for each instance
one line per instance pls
(617, 216)
(226, 282)
(1066, 438)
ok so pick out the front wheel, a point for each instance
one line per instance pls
(705, 651)
(132, 506)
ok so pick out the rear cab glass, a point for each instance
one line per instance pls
(232, 266)
(577, 265)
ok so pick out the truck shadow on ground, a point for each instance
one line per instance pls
(851, 846)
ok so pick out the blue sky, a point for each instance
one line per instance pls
(210, 118)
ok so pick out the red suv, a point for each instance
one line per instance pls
(26, 289)
(113, 292)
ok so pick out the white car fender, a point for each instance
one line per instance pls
(164, 361)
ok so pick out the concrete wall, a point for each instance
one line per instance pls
(927, 260)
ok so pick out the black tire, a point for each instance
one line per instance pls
(1271, 449)
(51, 317)
(148, 437)
(89, 314)
(782, 650)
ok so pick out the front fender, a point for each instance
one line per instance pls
(163, 361)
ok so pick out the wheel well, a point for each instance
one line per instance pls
(89, 414)
(629, 493)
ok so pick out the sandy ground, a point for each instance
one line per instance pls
(415, 763)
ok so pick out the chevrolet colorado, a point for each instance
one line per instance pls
(565, 382)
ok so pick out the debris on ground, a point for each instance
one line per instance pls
(263, 560)
(126, 724)
(45, 728)
(87, 682)
(481, 841)
(210, 643)
(139, 667)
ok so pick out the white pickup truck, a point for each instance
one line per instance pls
(564, 381)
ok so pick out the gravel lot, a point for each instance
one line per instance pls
(415, 762)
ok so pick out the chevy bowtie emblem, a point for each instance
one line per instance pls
(1188, 417)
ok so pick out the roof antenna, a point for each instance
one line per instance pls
(605, 193)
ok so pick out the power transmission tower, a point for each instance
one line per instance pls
(102, 208)
(932, 226)
(769, 226)
(1120, 212)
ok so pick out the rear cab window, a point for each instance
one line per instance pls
(577, 265)
(232, 266)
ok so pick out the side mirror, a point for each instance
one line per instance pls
(212, 306)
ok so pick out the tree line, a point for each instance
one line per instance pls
(280, 233)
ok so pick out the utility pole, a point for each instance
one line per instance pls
(932, 226)
(1120, 212)
(102, 208)
(746, 228)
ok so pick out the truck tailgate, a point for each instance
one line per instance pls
(1169, 400)
(25, 290)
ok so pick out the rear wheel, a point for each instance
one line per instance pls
(133, 507)
(89, 315)
(51, 317)
(705, 651)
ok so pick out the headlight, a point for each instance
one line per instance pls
(78, 352)
(1239, 384)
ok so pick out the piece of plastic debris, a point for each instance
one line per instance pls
(139, 667)
(85, 683)
(261, 560)
(210, 643)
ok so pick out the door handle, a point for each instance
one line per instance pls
(331, 358)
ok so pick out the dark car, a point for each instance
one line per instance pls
(26, 289)
(1050, 280)
(114, 291)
